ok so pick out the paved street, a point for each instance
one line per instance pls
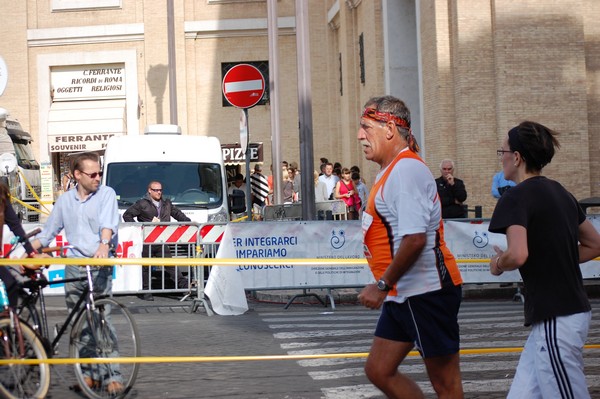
(167, 329)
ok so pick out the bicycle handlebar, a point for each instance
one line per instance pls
(16, 240)
(30, 234)
(60, 249)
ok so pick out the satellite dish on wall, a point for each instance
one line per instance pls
(8, 163)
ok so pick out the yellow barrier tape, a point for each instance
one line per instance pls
(26, 205)
(177, 261)
(33, 191)
(215, 359)
(194, 261)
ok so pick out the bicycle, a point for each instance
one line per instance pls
(101, 327)
(19, 341)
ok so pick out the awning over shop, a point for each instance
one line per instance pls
(75, 126)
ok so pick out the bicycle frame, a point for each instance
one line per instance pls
(97, 308)
(37, 296)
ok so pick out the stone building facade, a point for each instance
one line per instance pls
(80, 71)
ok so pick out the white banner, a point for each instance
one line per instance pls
(125, 278)
(469, 240)
(473, 241)
(281, 240)
(334, 240)
(296, 240)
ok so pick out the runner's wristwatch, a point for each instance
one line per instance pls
(105, 241)
(382, 286)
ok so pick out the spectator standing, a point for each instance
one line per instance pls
(322, 169)
(361, 189)
(68, 182)
(154, 208)
(500, 184)
(320, 189)
(452, 191)
(287, 187)
(329, 179)
(296, 180)
(344, 190)
(419, 284)
(260, 189)
(237, 194)
(357, 170)
(89, 216)
(548, 237)
(270, 183)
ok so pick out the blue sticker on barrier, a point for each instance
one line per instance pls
(56, 275)
(60, 275)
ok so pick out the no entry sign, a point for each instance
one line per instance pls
(243, 86)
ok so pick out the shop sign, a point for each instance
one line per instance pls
(101, 81)
(79, 142)
(234, 154)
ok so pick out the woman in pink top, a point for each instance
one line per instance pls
(344, 190)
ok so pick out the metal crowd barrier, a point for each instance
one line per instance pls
(326, 210)
(170, 240)
(180, 240)
(209, 239)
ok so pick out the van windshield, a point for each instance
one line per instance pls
(24, 155)
(187, 184)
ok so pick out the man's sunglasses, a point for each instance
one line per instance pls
(156, 190)
(92, 175)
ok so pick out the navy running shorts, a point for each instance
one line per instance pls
(429, 320)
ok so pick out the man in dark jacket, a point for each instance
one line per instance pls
(451, 190)
(154, 208)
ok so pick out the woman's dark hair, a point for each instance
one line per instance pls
(535, 142)
(4, 196)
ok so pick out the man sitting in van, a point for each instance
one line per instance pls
(154, 208)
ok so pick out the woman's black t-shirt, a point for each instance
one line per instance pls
(551, 273)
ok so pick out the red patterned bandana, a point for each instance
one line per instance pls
(373, 114)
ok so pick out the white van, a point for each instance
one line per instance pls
(190, 169)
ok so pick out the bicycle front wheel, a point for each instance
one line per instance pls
(109, 331)
(22, 380)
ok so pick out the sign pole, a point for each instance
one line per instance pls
(243, 87)
(244, 140)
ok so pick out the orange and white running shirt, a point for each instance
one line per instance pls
(404, 201)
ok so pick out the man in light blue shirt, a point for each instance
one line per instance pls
(90, 218)
(329, 179)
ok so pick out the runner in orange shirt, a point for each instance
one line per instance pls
(419, 284)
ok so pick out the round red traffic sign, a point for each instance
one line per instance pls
(243, 86)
